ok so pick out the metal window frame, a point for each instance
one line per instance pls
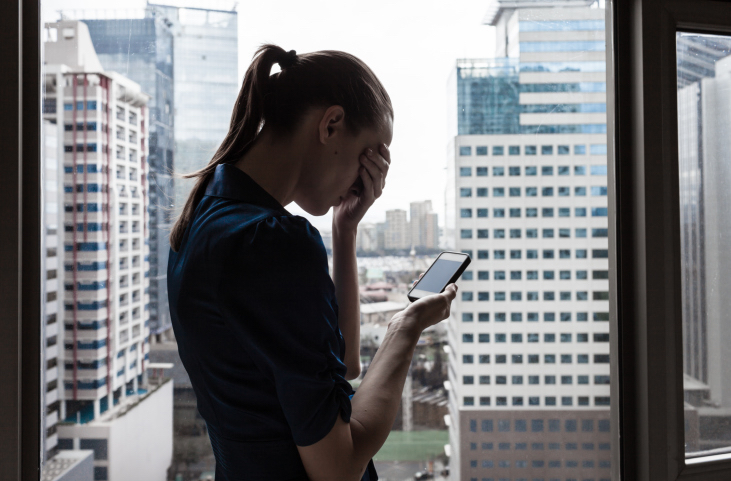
(20, 246)
(646, 334)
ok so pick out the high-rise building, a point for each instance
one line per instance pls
(205, 69)
(424, 225)
(101, 123)
(527, 199)
(50, 275)
(141, 49)
(396, 235)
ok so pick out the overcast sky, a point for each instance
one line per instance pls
(411, 45)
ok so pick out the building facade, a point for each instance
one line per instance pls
(101, 122)
(50, 274)
(527, 199)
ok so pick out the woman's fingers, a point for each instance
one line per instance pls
(376, 175)
(367, 179)
(381, 162)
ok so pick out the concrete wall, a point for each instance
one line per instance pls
(141, 441)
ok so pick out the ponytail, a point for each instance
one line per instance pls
(320, 79)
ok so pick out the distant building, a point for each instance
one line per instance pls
(397, 234)
(431, 226)
(206, 79)
(367, 238)
(102, 123)
(424, 225)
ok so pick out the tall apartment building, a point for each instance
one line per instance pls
(397, 233)
(205, 69)
(424, 225)
(101, 122)
(704, 155)
(526, 198)
(141, 49)
(51, 273)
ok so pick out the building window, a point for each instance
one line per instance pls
(465, 150)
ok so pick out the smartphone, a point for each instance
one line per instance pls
(444, 271)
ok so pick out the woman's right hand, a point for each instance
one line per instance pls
(429, 310)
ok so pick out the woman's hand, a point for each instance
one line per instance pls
(373, 171)
(428, 310)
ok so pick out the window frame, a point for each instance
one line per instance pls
(20, 211)
(645, 311)
(643, 196)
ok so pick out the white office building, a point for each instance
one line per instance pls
(527, 199)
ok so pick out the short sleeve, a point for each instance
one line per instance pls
(280, 301)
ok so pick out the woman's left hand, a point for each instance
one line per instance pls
(373, 171)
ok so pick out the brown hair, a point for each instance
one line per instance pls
(279, 101)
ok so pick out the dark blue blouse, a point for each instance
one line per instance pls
(255, 316)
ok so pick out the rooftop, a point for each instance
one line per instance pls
(495, 8)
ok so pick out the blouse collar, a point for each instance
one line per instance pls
(230, 182)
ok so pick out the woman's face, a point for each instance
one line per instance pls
(334, 170)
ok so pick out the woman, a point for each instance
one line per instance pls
(268, 338)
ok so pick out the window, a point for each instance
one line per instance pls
(530, 150)
(465, 171)
(497, 150)
(598, 170)
(481, 171)
(465, 150)
(514, 150)
(465, 192)
(481, 150)
(498, 171)
(482, 192)
(531, 171)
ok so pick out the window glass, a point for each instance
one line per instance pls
(704, 161)
(181, 74)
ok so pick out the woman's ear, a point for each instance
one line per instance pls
(332, 123)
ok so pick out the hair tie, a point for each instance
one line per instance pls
(288, 59)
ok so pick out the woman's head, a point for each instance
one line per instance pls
(336, 86)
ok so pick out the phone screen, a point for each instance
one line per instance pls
(438, 275)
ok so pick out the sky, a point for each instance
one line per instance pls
(411, 45)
